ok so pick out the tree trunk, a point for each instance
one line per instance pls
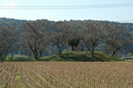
(60, 52)
(72, 47)
(35, 55)
(40, 54)
(93, 50)
(92, 53)
(113, 52)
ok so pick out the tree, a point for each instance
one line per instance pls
(8, 36)
(92, 35)
(74, 36)
(74, 43)
(60, 35)
(36, 37)
(116, 39)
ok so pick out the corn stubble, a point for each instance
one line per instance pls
(66, 75)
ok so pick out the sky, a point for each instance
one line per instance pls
(120, 14)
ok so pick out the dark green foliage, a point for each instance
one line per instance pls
(74, 43)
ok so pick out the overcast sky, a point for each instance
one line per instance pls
(121, 14)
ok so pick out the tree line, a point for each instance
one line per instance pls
(38, 36)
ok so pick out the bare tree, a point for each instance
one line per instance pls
(36, 37)
(92, 35)
(60, 35)
(116, 39)
(8, 36)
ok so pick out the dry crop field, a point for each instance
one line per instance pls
(66, 75)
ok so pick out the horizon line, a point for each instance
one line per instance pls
(117, 21)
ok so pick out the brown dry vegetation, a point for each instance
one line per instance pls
(66, 75)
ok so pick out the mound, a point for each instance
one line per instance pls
(80, 56)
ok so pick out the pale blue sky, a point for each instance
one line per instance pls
(121, 14)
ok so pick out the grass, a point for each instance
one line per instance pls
(80, 56)
(1, 86)
(44, 80)
(67, 56)
(17, 77)
(19, 58)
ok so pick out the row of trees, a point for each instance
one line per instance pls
(38, 36)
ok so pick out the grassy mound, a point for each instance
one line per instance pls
(19, 58)
(80, 56)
